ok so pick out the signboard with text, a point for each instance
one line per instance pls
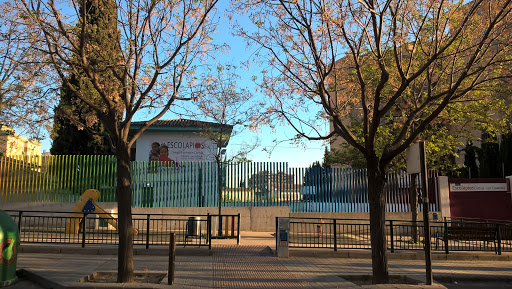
(480, 198)
(176, 147)
(479, 187)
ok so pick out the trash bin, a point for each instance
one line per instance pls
(194, 226)
(9, 242)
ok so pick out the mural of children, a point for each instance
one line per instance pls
(153, 165)
(164, 156)
(154, 157)
(155, 150)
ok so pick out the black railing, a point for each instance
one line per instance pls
(401, 235)
(149, 229)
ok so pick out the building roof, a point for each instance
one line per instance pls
(181, 124)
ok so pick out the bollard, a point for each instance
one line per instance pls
(172, 258)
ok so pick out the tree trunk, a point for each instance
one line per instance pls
(414, 207)
(376, 179)
(124, 207)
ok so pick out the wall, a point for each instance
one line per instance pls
(362, 216)
(480, 198)
(256, 219)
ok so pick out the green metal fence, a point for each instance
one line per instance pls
(55, 178)
(194, 184)
(185, 184)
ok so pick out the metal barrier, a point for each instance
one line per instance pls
(225, 227)
(401, 235)
(149, 229)
(194, 184)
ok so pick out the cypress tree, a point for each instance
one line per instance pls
(506, 154)
(471, 166)
(76, 127)
(490, 159)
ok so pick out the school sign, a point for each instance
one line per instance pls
(186, 140)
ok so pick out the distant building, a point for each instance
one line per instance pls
(185, 140)
(12, 143)
(273, 181)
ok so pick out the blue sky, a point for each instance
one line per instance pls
(297, 156)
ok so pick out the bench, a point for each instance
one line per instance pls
(468, 233)
(506, 232)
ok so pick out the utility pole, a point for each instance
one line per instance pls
(426, 220)
(416, 163)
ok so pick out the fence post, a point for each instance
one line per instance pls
(445, 236)
(200, 186)
(238, 233)
(277, 231)
(391, 235)
(232, 226)
(220, 225)
(20, 215)
(172, 258)
(83, 230)
(147, 230)
(335, 235)
(498, 236)
(226, 227)
(209, 229)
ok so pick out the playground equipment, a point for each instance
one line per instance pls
(87, 205)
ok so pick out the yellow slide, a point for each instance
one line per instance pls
(87, 204)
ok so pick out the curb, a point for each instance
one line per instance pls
(475, 278)
(46, 283)
(161, 251)
(294, 252)
(454, 256)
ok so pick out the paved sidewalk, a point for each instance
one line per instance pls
(252, 265)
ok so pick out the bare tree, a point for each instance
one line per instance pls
(160, 41)
(24, 86)
(390, 66)
(223, 102)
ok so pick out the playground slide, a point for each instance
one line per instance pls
(87, 204)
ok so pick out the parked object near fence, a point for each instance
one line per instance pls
(468, 232)
(194, 184)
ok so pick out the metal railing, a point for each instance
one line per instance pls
(400, 235)
(149, 229)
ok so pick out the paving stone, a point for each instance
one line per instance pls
(253, 265)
